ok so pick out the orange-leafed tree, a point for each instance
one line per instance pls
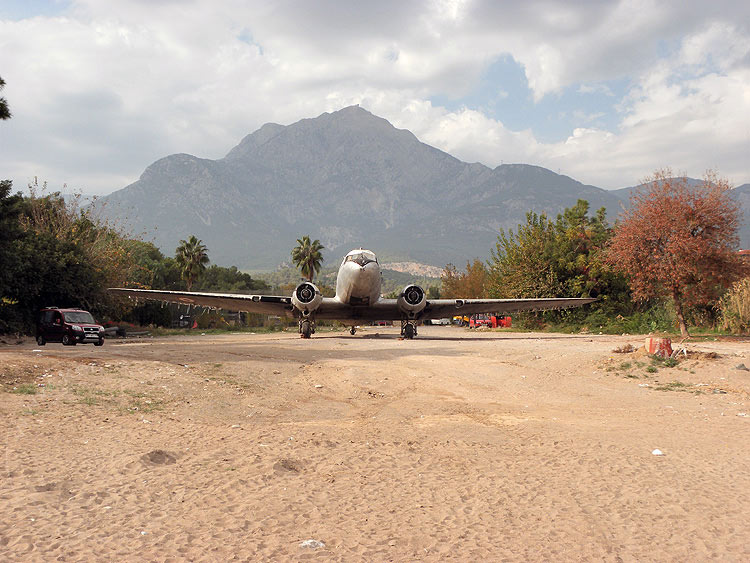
(679, 241)
(469, 284)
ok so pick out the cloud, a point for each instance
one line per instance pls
(102, 89)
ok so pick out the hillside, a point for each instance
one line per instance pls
(350, 179)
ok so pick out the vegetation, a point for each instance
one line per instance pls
(307, 256)
(192, 257)
(546, 259)
(4, 109)
(735, 307)
(679, 242)
(566, 258)
(471, 284)
(58, 253)
(693, 240)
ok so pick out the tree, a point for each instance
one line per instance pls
(679, 241)
(10, 230)
(192, 256)
(449, 282)
(524, 264)
(469, 284)
(307, 256)
(219, 278)
(59, 254)
(564, 258)
(4, 109)
(11, 207)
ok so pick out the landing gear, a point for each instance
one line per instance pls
(353, 330)
(306, 328)
(408, 329)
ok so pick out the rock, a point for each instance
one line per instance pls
(158, 457)
(312, 544)
(741, 367)
(657, 452)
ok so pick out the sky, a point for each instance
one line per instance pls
(604, 92)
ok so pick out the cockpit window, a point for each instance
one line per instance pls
(362, 258)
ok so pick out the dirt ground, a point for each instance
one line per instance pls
(458, 445)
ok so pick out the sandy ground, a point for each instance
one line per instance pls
(457, 446)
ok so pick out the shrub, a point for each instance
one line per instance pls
(735, 308)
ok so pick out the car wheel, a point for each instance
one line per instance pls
(100, 342)
(68, 341)
(40, 340)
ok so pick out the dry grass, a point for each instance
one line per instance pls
(735, 308)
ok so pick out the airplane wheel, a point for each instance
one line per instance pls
(40, 340)
(409, 331)
(305, 329)
(352, 330)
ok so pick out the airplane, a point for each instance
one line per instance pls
(357, 299)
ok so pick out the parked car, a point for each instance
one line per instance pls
(69, 326)
(491, 321)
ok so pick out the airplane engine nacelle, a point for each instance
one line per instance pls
(307, 297)
(412, 299)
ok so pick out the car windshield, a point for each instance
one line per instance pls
(79, 317)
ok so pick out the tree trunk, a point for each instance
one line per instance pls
(680, 317)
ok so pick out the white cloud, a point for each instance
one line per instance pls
(101, 92)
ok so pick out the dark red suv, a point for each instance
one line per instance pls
(69, 326)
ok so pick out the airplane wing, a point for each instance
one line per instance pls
(388, 309)
(266, 304)
(439, 308)
(332, 309)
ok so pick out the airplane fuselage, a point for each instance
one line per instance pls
(359, 279)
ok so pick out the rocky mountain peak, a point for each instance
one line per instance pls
(350, 179)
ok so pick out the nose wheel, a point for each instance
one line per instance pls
(306, 328)
(408, 329)
(353, 330)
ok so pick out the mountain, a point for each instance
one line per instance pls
(348, 178)
(742, 195)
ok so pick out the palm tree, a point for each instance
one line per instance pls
(307, 257)
(4, 110)
(192, 256)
